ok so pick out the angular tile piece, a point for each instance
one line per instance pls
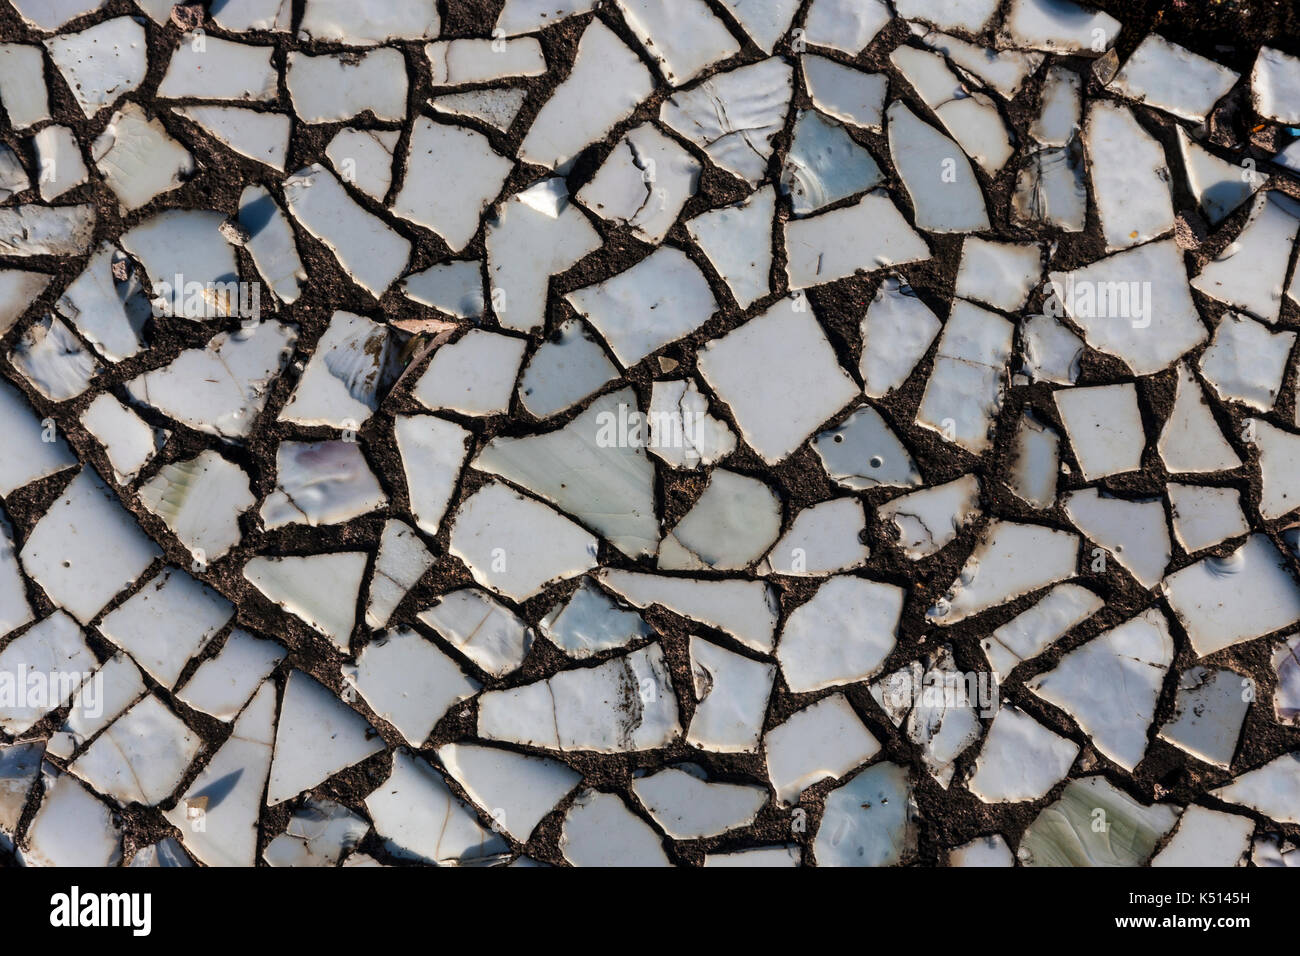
(408, 681)
(689, 807)
(215, 69)
(624, 705)
(737, 240)
(138, 157)
(401, 561)
(102, 62)
(1275, 85)
(485, 631)
(516, 790)
(1207, 838)
(845, 25)
(1130, 179)
(1111, 684)
(347, 375)
(319, 834)
(1191, 440)
(825, 165)
(747, 610)
(1171, 78)
(141, 757)
(1104, 426)
(938, 177)
(1020, 760)
(1208, 714)
(732, 693)
(43, 669)
(1009, 560)
(257, 134)
(200, 500)
(433, 454)
(1250, 273)
(111, 316)
(682, 431)
(321, 589)
(460, 62)
(1133, 531)
(822, 539)
(780, 377)
(869, 820)
(643, 183)
(842, 635)
(1061, 26)
(72, 828)
(591, 622)
(964, 394)
(731, 525)
(1273, 789)
(599, 830)
(823, 740)
(928, 520)
(849, 95)
(1033, 631)
(863, 453)
(1095, 824)
(320, 483)
(223, 684)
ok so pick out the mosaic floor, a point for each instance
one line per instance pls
(646, 432)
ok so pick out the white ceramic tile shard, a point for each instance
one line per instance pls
(1130, 178)
(606, 84)
(998, 274)
(495, 106)
(682, 36)
(1020, 759)
(530, 16)
(1286, 698)
(191, 266)
(765, 21)
(338, 86)
(1058, 121)
(1035, 463)
(687, 806)
(683, 433)
(516, 790)
(822, 539)
(730, 526)
(240, 16)
(400, 562)
(869, 235)
(929, 520)
(271, 243)
(970, 117)
(1058, 25)
(849, 95)
(200, 500)
(1051, 190)
(71, 828)
(58, 156)
(115, 686)
(102, 62)
(367, 248)
(44, 668)
(780, 377)
(968, 15)
(22, 84)
(845, 25)
(433, 453)
(1245, 362)
(474, 375)
(141, 757)
(422, 820)
(108, 314)
(223, 684)
(747, 610)
(86, 548)
(455, 288)
(138, 158)
(321, 589)
(1104, 426)
(863, 452)
(737, 240)
(35, 230)
(1273, 789)
(643, 184)
(211, 68)
(15, 609)
(409, 681)
(319, 483)
(128, 442)
(595, 469)
(1064, 834)
(318, 834)
(262, 135)
(1251, 272)
(33, 450)
(364, 158)
(870, 821)
(733, 116)
(964, 392)
(1171, 78)
(1203, 517)
(1275, 85)
(461, 62)
(662, 298)
(436, 152)
(842, 635)
(365, 24)
(1009, 560)
(1191, 440)
(824, 740)
(1207, 838)
(986, 851)
(536, 233)
(599, 830)
(53, 360)
(347, 375)
(516, 546)
(623, 705)
(1134, 532)
(166, 623)
(897, 332)
(563, 371)
(1279, 466)
(732, 693)
(481, 628)
(1208, 714)
(946, 195)
(825, 165)
(1111, 685)
(18, 290)
(1034, 630)
(316, 737)
(1218, 184)
(1224, 601)
(590, 622)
